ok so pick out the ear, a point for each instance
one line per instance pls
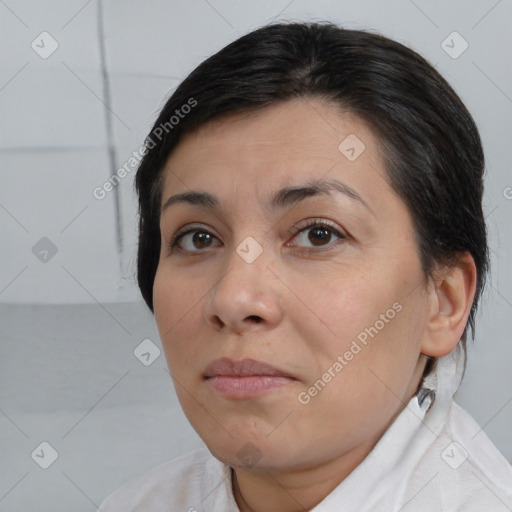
(451, 298)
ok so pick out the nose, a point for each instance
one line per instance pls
(246, 297)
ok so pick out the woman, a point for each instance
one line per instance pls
(313, 248)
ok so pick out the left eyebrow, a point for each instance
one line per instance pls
(285, 197)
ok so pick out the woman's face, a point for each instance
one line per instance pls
(326, 286)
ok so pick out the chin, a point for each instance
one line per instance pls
(256, 454)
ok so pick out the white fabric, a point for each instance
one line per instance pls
(419, 464)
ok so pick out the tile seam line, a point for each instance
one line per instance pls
(112, 157)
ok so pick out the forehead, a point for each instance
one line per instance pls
(289, 129)
(282, 145)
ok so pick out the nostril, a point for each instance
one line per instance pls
(218, 322)
(256, 318)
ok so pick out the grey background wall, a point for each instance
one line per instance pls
(80, 84)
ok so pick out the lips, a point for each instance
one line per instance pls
(245, 379)
(244, 368)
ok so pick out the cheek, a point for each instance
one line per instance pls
(165, 303)
(176, 295)
(346, 307)
(368, 322)
(178, 309)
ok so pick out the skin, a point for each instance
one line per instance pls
(311, 305)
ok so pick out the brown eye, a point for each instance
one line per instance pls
(200, 239)
(318, 234)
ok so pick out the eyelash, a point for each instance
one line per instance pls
(311, 223)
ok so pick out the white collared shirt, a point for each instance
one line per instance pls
(433, 457)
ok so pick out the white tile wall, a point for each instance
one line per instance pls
(52, 109)
(50, 193)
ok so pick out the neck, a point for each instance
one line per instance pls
(294, 491)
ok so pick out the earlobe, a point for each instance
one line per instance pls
(451, 300)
